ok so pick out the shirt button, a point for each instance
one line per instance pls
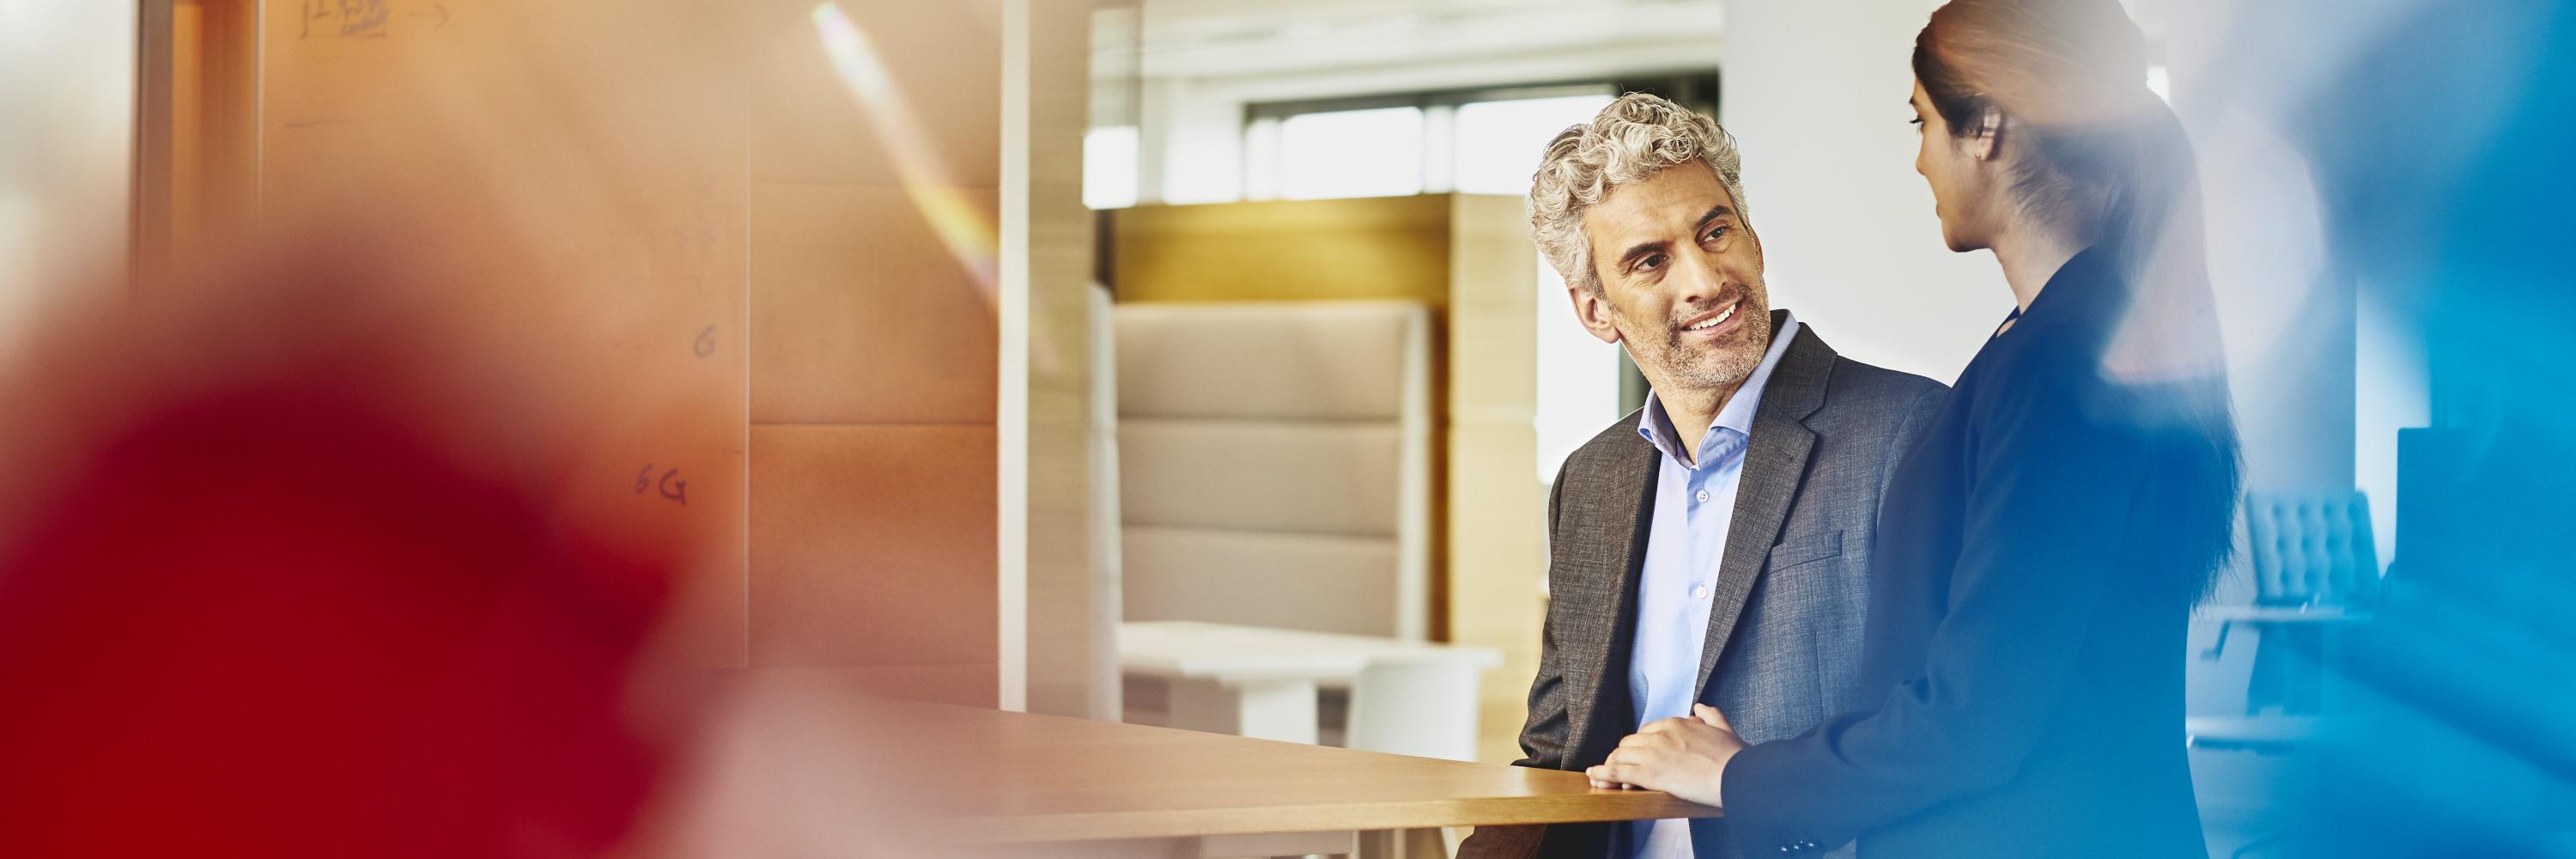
(1699, 593)
(1703, 496)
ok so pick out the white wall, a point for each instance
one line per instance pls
(66, 143)
(1815, 95)
(1191, 143)
(2390, 393)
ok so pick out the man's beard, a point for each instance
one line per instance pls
(1731, 362)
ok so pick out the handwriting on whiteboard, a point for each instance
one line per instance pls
(348, 18)
(669, 486)
(364, 19)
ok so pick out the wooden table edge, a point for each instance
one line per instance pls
(1354, 817)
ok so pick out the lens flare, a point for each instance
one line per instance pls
(967, 234)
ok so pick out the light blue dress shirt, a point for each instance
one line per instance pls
(1694, 503)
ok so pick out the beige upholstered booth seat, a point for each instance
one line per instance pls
(1274, 464)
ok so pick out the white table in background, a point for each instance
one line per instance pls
(1407, 697)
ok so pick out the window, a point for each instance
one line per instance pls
(1351, 153)
(1109, 167)
(1497, 143)
(1475, 142)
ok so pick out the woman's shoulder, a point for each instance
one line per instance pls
(2032, 348)
(2049, 372)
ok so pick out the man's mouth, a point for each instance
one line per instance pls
(1715, 321)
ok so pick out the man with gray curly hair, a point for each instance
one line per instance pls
(1710, 549)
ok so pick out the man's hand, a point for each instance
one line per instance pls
(1683, 757)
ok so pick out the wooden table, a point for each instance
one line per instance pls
(1021, 784)
(1407, 697)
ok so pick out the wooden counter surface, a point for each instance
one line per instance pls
(1019, 778)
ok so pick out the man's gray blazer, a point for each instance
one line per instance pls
(1784, 633)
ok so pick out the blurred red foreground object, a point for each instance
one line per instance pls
(276, 608)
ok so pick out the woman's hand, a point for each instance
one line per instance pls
(1683, 757)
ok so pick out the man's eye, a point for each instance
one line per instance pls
(1714, 234)
(1651, 262)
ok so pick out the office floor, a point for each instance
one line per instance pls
(2239, 793)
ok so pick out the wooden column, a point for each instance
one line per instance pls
(1065, 661)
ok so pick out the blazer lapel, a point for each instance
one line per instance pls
(1630, 482)
(1775, 464)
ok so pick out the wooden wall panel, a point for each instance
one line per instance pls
(798, 248)
(863, 315)
(965, 684)
(215, 135)
(1284, 250)
(939, 93)
(874, 235)
(872, 545)
(591, 177)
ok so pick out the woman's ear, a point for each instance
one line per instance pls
(1988, 139)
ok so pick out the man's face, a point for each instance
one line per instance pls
(1681, 280)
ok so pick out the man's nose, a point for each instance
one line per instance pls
(1698, 278)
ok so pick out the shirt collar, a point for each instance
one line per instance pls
(1657, 427)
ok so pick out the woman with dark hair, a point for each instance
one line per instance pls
(2040, 551)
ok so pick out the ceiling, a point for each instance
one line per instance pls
(1269, 49)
